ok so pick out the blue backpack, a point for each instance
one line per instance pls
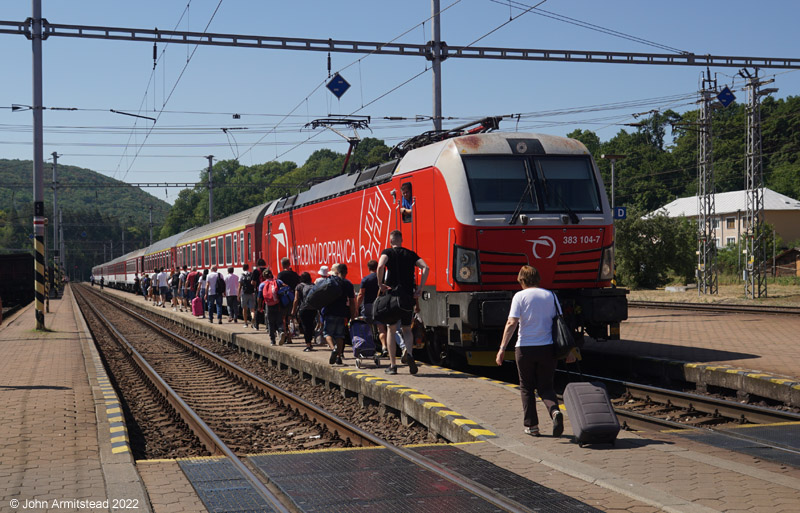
(285, 294)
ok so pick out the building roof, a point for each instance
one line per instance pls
(730, 203)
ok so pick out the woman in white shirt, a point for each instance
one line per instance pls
(533, 310)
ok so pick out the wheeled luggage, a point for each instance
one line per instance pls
(591, 414)
(197, 307)
(363, 342)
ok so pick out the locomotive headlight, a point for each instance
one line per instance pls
(466, 265)
(607, 264)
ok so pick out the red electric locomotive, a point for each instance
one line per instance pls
(484, 204)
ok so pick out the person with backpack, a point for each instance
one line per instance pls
(182, 302)
(335, 314)
(191, 285)
(247, 294)
(291, 279)
(258, 280)
(272, 304)
(306, 314)
(174, 283)
(215, 290)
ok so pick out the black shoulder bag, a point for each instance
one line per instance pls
(563, 340)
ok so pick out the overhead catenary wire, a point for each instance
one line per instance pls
(322, 83)
(587, 25)
(174, 87)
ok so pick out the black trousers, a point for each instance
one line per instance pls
(308, 321)
(536, 367)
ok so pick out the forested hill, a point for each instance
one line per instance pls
(94, 212)
(79, 190)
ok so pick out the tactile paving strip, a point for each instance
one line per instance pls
(221, 486)
(378, 480)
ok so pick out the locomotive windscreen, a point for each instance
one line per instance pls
(504, 184)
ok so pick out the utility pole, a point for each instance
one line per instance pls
(707, 282)
(755, 284)
(62, 257)
(210, 190)
(38, 161)
(56, 245)
(613, 159)
(151, 225)
(436, 58)
(123, 236)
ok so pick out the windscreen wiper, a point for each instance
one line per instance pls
(528, 190)
(573, 217)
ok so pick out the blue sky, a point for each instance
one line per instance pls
(277, 92)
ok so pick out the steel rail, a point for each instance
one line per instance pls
(730, 409)
(340, 427)
(206, 435)
(471, 486)
(701, 403)
(703, 307)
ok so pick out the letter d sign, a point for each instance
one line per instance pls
(620, 212)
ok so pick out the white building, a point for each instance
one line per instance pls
(730, 220)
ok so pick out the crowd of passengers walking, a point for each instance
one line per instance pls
(281, 303)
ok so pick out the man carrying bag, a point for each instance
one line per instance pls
(397, 265)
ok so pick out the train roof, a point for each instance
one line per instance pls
(224, 225)
(426, 156)
(164, 244)
(507, 143)
(132, 254)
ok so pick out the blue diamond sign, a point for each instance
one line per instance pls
(338, 85)
(726, 97)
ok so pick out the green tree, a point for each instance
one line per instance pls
(589, 139)
(649, 248)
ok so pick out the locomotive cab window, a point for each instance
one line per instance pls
(505, 184)
(496, 182)
(567, 184)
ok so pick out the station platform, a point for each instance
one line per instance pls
(63, 446)
(751, 354)
(644, 472)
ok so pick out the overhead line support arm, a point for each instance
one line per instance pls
(408, 49)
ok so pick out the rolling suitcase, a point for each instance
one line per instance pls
(363, 342)
(197, 307)
(591, 414)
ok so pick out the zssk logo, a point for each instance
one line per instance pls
(543, 244)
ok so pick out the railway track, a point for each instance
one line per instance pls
(644, 406)
(201, 418)
(725, 308)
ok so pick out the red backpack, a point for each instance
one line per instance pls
(271, 292)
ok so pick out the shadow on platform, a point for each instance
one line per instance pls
(664, 351)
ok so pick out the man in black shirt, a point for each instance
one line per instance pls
(292, 279)
(399, 265)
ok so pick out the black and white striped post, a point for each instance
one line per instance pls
(39, 220)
